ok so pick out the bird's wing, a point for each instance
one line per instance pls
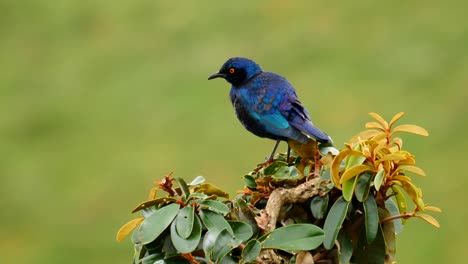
(296, 114)
(270, 108)
(299, 118)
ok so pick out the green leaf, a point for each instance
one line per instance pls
(198, 180)
(245, 214)
(153, 258)
(333, 222)
(155, 224)
(209, 241)
(392, 208)
(241, 230)
(214, 221)
(371, 218)
(370, 253)
(184, 221)
(325, 148)
(215, 206)
(227, 259)
(190, 243)
(294, 237)
(273, 167)
(363, 186)
(183, 187)
(414, 193)
(401, 201)
(225, 242)
(319, 206)
(307, 169)
(287, 173)
(346, 247)
(249, 180)
(378, 180)
(250, 251)
(200, 196)
(389, 235)
(348, 188)
(355, 160)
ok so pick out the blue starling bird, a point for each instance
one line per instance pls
(267, 105)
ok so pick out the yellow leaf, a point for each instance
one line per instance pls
(395, 118)
(430, 219)
(381, 151)
(210, 189)
(354, 171)
(364, 135)
(152, 194)
(398, 141)
(407, 161)
(413, 169)
(380, 137)
(380, 119)
(126, 229)
(413, 129)
(395, 182)
(335, 168)
(392, 157)
(401, 177)
(305, 151)
(432, 208)
(375, 125)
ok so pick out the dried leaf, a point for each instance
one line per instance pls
(304, 257)
(155, 202)
(413, 129)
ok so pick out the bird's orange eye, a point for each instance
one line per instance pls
(231, 71)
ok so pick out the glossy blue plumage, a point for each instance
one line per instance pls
(267, 104)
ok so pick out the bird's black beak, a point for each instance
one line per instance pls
(216, 75)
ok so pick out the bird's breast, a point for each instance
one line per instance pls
(248, 115)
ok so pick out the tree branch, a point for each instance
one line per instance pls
(278, 198)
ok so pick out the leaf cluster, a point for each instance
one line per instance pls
(353, 215)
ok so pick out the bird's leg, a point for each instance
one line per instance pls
(274, 150)
(289, 154)
(317, 161)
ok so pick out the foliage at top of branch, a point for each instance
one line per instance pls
(346, 207)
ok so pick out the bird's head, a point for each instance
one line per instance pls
(237, 71)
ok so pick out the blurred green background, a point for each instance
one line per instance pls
(100, 98)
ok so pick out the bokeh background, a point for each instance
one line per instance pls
(100, 98)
